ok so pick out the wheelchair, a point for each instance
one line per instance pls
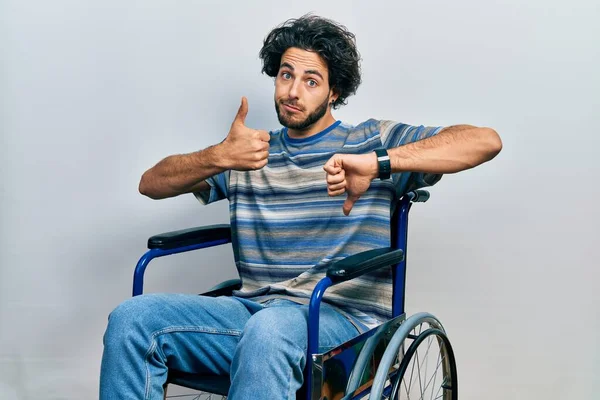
(403, 358)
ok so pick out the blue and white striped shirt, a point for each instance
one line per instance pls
(286, 229)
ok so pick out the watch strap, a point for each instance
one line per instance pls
(384, 164)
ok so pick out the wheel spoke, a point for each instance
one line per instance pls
(440, 360)
(419, 372)
(429, 341)
(418, 354)
(426, 362)
(406, 388)
(436, 394)
(412, 370)
(434, 376)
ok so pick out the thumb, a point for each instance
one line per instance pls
(333, 165)
(242, 112)
(349, 203)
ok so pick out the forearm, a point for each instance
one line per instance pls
(454, 149)
(182, 173)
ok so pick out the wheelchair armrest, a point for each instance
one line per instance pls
(191, 236)
(362, 263)
(224, 288)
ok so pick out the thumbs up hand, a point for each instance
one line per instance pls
(351, 174)
(245, 148)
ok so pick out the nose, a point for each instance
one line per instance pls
(294, 89)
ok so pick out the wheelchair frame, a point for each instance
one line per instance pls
(397, 329)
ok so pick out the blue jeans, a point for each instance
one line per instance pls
(262, 347)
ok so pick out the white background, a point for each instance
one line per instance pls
(92, 93)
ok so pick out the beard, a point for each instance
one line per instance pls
(313, 117)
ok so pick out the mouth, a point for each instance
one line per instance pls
(291, 108)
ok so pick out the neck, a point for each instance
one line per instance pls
(315, 128)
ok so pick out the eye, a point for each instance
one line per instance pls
(312, 83)
(286, 75)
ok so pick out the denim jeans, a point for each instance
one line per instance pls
(262, 347)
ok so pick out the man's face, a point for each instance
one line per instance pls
(302, 92)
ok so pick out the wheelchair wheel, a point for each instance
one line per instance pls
(427, 370)
(418, 363)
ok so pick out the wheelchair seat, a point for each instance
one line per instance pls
(207, 384)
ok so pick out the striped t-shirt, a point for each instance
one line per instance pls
(286, 229)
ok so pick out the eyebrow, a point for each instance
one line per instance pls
(307, 72)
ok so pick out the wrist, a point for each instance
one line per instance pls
(218, 156)
(373, 166)
(384, 165)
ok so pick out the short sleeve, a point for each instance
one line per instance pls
(395, 134)
(219, 189)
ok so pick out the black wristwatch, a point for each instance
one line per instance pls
(383, 161)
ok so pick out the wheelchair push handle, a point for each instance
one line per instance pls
(418, 196)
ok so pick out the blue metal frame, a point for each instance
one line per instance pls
(314, 308)
(399, 226)
(400, 241)
(140, 268)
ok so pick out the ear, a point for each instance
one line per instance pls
(334, 95)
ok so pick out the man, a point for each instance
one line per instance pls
(290, 220)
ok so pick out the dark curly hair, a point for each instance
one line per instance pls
(332, 41)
